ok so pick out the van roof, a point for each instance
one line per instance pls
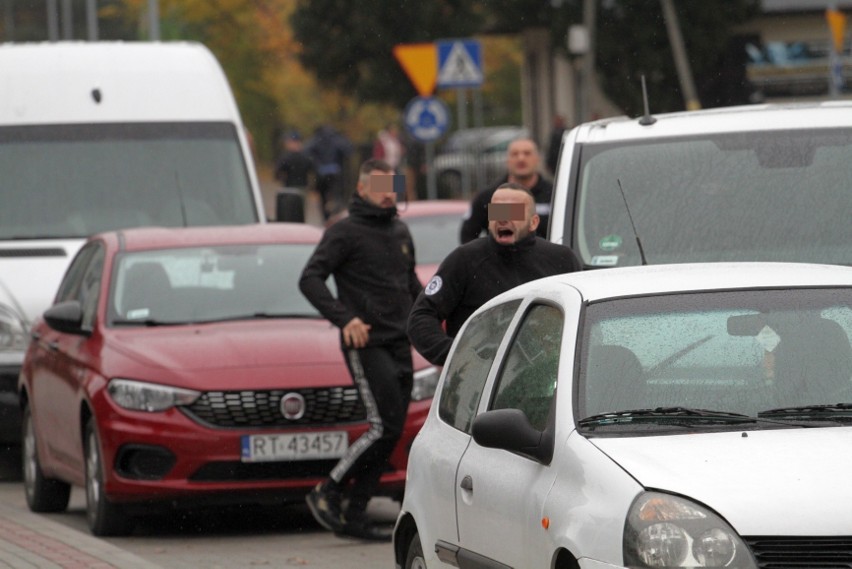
(92, 82)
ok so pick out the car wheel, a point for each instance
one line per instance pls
(43, 494)
(104, 517)
(449, 184)
(414, 559)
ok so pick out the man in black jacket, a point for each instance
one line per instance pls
(370, 253)
(476, 272)
(522, 166)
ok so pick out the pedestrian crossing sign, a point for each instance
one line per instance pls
(459, 63)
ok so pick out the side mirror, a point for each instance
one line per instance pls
(510, 429)
(65, 317)
(290, 206)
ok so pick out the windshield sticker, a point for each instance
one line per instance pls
(605, 260)
(768, 338)
(137, 313)
(610, 242)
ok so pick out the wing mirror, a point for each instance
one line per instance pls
(65, 317)
(510, 429)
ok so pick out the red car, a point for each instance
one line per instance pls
(434, 226)
(184, 367)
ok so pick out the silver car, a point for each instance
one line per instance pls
(474, 158)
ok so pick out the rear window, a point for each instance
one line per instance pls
(759, 196)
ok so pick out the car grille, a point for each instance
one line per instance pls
(796, 552)
(258, 409)
(247, 471)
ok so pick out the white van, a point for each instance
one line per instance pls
(750, 183)
(105, 135)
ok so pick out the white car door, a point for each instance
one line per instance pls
(500, 494)
(441, 443)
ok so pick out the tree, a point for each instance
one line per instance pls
(350, 47)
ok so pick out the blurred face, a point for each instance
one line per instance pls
(522, 160)
(377, 188)
(511, 216)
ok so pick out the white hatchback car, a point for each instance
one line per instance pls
(694, 415)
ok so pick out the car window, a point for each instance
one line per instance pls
(202, 284)
(90, 288)
(527, 380)
(70, 285)
(468, 367)
(741, 352)
(759, 196)
(434, 236)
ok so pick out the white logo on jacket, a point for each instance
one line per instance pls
(434, 285)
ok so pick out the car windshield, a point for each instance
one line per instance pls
(759, 196)
(434, 236)
(65, 181)
(204, 284)
(744, 352)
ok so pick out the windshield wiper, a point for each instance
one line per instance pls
(664, 412)
(150, 322)
(677, 415)
(828, 412)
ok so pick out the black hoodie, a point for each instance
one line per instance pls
(370, 253)
(470, 276)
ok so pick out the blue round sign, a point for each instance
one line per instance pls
(426, 118)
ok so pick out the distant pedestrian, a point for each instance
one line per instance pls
(477, 271)
(389, 147)
(370, 254)
(522, 166)
(330, 152)
(293, 167)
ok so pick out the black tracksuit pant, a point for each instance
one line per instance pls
(384, 377)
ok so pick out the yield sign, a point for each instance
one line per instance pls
(420, 63)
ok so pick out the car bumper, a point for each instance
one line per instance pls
(169, 458)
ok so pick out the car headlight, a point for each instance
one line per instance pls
(142, 396)
(425, 383)
(667, 531)
(13, 331)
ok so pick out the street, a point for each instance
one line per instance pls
(222, 538)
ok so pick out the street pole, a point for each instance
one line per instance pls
(92, 20)
(153, 20)
(52, 21)
(684, 73)
(67, 20)
(588, 74)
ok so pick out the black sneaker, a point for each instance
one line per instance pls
(360, 528)
(325, 507)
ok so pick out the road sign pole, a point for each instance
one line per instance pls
(431, 181)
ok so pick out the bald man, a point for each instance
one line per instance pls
(476, 272)
(523, 163)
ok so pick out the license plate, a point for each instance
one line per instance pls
(298, 446)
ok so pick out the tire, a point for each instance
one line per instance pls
(43, 494)
(104, 517)
(414, 558)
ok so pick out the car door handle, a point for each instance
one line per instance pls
(467, 483)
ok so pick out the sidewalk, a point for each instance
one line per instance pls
(32, 541)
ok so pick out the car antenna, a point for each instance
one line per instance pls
(646, 119)
(180, 199)
(633, 225)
